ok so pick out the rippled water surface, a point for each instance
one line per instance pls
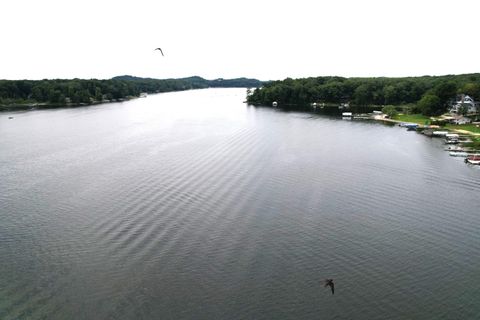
(193, 205)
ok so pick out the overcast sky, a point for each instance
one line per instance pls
(259, 39)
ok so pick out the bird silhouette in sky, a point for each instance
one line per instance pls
(160, 51)
(329, 283)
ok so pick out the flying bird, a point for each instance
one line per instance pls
(160, 50)
(329, 283)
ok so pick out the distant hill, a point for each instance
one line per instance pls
(199, 82)
(131, 78)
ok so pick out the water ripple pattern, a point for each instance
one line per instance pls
(193, 205)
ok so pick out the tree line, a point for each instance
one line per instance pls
(62, 92)
(429, 95)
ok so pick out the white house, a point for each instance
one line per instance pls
(464, 101)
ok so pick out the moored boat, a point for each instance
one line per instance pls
(459, 154)
(473, 159)
(456, 148)
(452, 138)
(439, 133)
(409, 125)
(412, 127)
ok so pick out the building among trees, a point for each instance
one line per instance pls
(464, 104)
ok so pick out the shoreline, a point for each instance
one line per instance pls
(44, 105)
(462, 131)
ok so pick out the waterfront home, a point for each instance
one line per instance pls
(464, 103)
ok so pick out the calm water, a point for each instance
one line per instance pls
(193, 205)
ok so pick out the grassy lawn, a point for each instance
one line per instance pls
(469, 127)
(420, 119)
(414, 118)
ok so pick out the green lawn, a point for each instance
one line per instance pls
(420, 119)
(469, 127)
(414, 118)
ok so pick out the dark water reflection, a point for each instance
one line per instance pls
(193, 205)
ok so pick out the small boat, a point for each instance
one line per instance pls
(347, 115)
(452, 141)
(361, 117)
(407, 124)
(452, 138)
(473, 159)
(459, 154)
(455, 148)
(439, 133)
(476, 162)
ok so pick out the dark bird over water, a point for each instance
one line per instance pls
(329, 282)
(160, 50)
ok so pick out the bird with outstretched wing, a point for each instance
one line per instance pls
(329, 283)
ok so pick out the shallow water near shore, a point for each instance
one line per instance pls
(193, 205)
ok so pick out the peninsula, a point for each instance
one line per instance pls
(450, 101)
(25, 94)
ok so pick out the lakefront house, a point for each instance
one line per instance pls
(464, 103)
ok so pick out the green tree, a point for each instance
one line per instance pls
(390, 111)
(472, 89)
(445, 90)
(98, 94)
(429, 104)
(362, 94)
(463, 110)
(390, 94)
(333, 91)
(37, 94)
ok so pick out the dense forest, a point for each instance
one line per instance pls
(429, 95)
(60, 92)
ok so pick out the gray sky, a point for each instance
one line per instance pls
(266, 40)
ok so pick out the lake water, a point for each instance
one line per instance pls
(193, 205)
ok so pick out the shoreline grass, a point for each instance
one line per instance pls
(413, 118)
(420, 119)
